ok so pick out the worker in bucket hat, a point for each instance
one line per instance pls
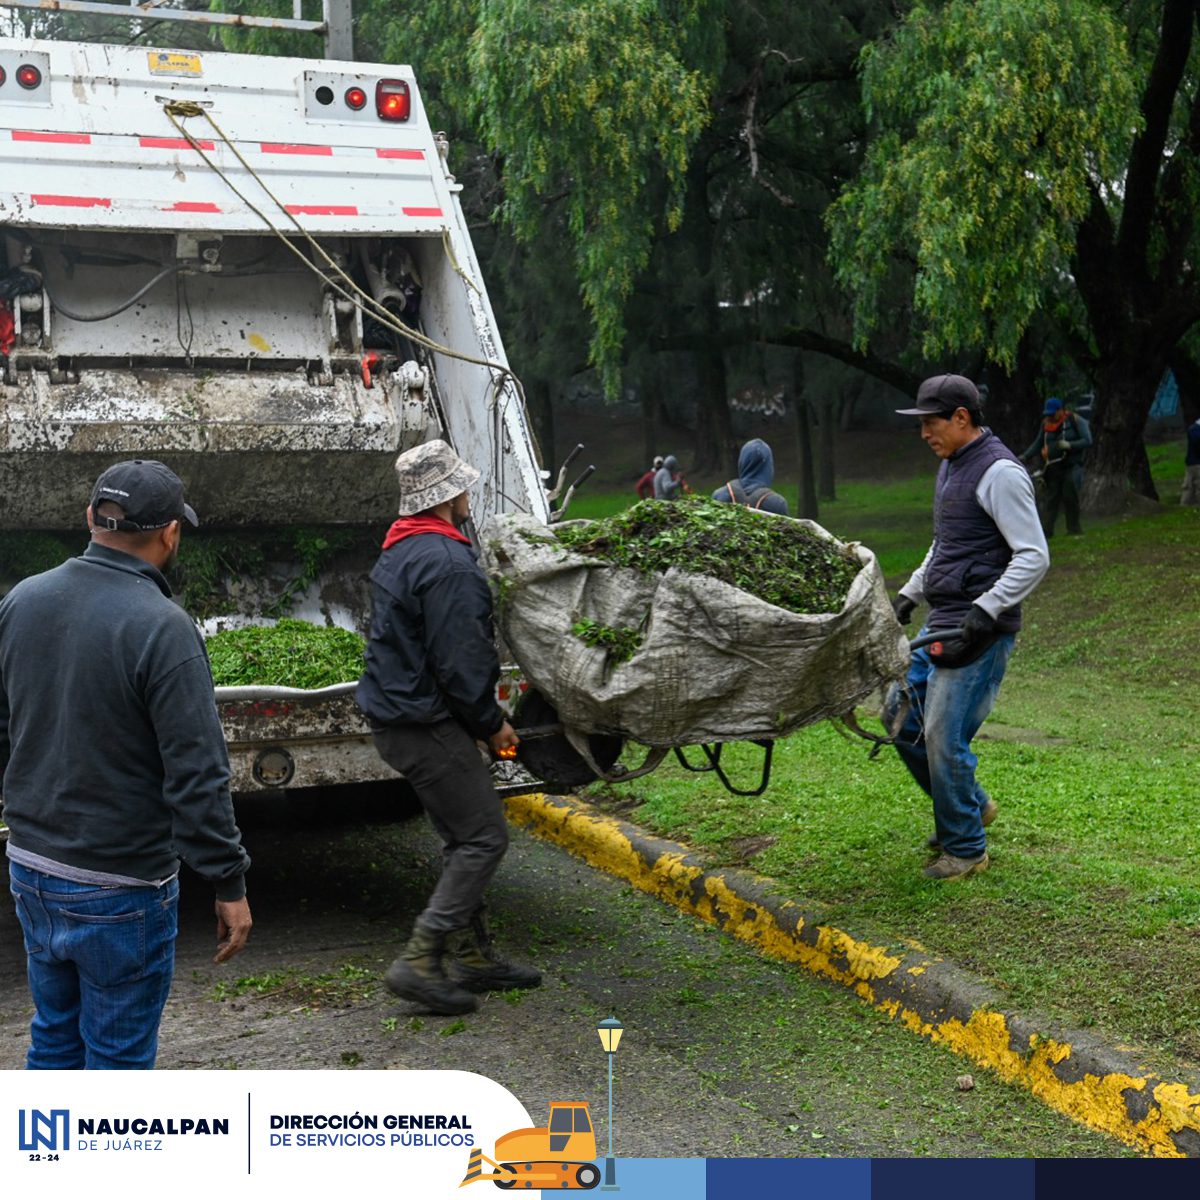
(429, 691)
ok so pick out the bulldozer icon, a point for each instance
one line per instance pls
(556, 1157)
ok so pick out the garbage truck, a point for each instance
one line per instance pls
(257, 270)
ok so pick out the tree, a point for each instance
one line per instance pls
(1024, 150)
(592, 100)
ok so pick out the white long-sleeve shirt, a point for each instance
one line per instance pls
(1005, 493)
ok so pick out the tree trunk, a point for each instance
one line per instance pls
(1013, 409)
(1117, 462)
(541, 410)
(827, 416)
(808, 487)
(714, 426)
(651, 408)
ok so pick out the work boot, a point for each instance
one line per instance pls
(990, 809)
(418, 975)
(472, 961)
(947, 867)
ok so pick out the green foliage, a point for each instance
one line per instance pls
(998, 126)
(621, 644)
(289, 654)
(774, 558)
(340, 987)
(590, 101)
(23, 554)
(207, 563)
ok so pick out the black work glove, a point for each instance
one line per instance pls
(978, 633)
(903, 607)
(977, 627)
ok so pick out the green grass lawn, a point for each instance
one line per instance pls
(1090, 913)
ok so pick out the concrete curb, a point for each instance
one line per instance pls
(1072, 1072)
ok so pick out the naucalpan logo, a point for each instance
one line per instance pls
(51, 1131)
(44, 1131)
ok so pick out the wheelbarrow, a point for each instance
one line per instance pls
(564, 759)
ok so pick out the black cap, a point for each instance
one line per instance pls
(149, 493)
(941, 395)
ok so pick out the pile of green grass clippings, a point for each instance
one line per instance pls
(773, 558)
(289, 654)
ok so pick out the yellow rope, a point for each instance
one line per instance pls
(449, 249)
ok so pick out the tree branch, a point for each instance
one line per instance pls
(864, 360)
(1146, 155)
(801, 339)
(749, 137)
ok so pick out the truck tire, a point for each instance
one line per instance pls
(552, 758)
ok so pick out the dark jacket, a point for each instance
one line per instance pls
(111, 753)
(1072, 429)
(756, 471)
(969, 552)
(1192, 458)
(430, 654)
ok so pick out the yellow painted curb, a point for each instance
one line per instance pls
(1090, 1082)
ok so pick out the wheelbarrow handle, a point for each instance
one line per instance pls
(934, 635)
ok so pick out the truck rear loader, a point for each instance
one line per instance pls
(256, 270)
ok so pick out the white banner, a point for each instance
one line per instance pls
(104, 1134)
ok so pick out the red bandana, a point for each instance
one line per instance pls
(410, 526)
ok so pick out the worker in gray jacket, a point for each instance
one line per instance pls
(112, 768)
(988, 554)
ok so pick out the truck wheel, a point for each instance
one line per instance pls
(588, 1175)
(553, 759)
(505, 1184)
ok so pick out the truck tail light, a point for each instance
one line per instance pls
(392, 100)
(3, 77)
(28, 77)
(355, 98)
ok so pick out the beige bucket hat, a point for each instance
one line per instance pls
(430, 475)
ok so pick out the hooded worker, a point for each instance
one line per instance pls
(668, 480)
(752, 487)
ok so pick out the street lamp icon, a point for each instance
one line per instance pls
(610, 1030)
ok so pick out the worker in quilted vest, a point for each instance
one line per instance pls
(988, 554)
(752, 487)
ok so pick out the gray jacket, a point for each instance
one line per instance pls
(111, 753)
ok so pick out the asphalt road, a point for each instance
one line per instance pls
(724, 1054)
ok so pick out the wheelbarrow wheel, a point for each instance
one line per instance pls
(552, 758)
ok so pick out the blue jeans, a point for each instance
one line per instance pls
(945, 708)
(100, 962)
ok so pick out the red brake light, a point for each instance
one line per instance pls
(392, 100)
(356, 98)
(3, 77)
(28, 77)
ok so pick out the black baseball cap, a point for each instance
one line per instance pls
(941, 395)
(150, 494)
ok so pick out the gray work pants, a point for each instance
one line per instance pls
(445, 768)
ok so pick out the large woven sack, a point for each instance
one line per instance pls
(715, 664)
